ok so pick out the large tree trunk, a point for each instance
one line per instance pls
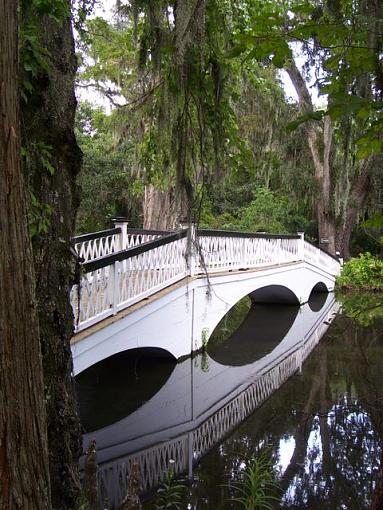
(24, 481)
(160, 209)
(359, 194)
(48, 118)
(321, 162)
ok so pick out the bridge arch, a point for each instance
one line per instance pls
(277, 294)
(181, 319)
(102, 388)
(266, 294)
(264, 327)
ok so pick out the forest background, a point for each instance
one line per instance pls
(201, 131)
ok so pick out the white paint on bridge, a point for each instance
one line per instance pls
(192, 282)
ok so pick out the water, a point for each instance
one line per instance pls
(213, 413)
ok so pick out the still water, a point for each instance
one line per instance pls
(318, 415)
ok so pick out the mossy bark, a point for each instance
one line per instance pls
(48, 118)
(24, 481)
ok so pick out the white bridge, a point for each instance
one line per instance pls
(169, 290)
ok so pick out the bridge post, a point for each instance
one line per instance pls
(301, 245)
(122, 223)
(191, 247)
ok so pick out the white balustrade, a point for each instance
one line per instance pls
(136, 238)
(109, 288)
(99, 245)
(321, 259)
(106, 290)
(218, 253)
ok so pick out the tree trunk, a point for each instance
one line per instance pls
(160, 209)
(24, 482)
(321, 162)
(359, 194)
(48, 121)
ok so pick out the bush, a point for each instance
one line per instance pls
(363, 272)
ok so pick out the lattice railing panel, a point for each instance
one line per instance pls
(320, 259)
(96, 297)
(227, 253)
(150, 271)
(154, 464)
(96, 248)
(109, 289)
(135, 239)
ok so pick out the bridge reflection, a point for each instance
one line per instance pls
(203, 398)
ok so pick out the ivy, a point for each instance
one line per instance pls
(34, 56)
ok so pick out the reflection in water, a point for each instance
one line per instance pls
(201, 402)
(263, 329)
(324, 430)
(117, 386)
(317, 300)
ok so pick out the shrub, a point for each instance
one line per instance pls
(365, 271)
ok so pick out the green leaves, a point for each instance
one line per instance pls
(363, 272)
(317, 115)
(257, 487)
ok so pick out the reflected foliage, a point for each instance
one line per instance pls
(231, 322)
(324, 429)
(364, 307)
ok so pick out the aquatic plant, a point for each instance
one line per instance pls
(257, 487)
(171, 492)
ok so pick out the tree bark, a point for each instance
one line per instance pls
(24, 481)
(48, 118)
(321, 162)
(160, 209)
(359, 194)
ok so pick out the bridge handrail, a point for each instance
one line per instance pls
(120, 279)
(149, 231)
(323, 250)
(121, 255)
(95, 235)
(105, 242)
(251, 235)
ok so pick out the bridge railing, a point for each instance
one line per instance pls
(97, 244)
(220, 250)
(105, 242)
(319, 258)
(118, 280)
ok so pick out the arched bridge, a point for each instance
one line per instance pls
(169, 290)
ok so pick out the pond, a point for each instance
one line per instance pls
(317, 416)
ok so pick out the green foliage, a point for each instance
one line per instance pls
(171, 493)
(34, 56)
(231, 322)
(363, 272)
(364, 308)
(108, 185)
(257, 487)
(38, 216)
(267, 212)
